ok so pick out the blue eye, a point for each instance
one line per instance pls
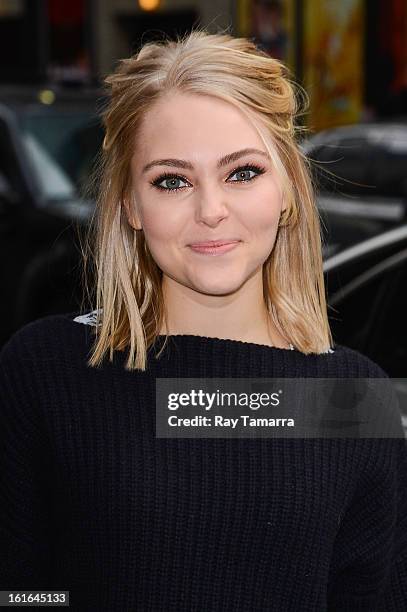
(245, 169)
(174, 178)
(171, 178)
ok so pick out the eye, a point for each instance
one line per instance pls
(173, 179)
(170, 179)
(248, 168)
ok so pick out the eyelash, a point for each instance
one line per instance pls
(167, 175)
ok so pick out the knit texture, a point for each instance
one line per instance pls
(92, 502)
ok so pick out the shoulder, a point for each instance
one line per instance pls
(40, 361)
(348, 362)
(379, 394)
(52, 336)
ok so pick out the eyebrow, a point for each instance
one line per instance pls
(223, 161)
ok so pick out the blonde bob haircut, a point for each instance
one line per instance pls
(127, 288)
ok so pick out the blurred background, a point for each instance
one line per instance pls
(350, 56)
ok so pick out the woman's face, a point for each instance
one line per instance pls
(202, 200)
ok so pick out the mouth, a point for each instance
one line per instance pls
(214, 247)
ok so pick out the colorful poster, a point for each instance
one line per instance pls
(270, 23)
(333, 61)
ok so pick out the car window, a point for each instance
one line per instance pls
(387, 341)
(360, 167)
(53, 181)
(71, 138)
(368, 313)
(341, 167)
(339, 231)
(8, 162)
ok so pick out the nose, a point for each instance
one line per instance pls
(211, 207)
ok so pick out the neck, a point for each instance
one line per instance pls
(241, 315)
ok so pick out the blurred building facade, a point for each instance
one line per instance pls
(351, 56)
(81, 40)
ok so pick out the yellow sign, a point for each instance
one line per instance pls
(333, 61)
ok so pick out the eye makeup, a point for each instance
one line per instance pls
(259, 170)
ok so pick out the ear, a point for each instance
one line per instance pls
(131, 214)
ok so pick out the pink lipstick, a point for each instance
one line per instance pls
(214, 247)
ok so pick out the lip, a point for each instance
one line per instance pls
(214, 243)
(214, 248)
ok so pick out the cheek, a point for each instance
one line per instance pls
(161, 231)
(159, 225)
(265, 212)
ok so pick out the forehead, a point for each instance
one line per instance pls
(193, 125)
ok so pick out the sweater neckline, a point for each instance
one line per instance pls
(90, 318)
(228, 341)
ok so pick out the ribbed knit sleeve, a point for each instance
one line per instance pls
(370, 551)
(25, 519)
(93, 502)
(395, 596)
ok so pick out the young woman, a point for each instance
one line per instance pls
(207, 254)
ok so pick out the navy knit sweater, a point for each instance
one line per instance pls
(92, 502)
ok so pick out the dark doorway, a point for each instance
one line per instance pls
(142, 28)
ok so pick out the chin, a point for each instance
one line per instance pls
(220, 287)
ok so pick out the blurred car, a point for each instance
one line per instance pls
(360, 171)
(340, 231)
(49, 140)
(367, 302)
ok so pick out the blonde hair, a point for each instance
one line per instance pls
(129, 296)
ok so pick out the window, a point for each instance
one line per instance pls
(9, 168)
(368, 313)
